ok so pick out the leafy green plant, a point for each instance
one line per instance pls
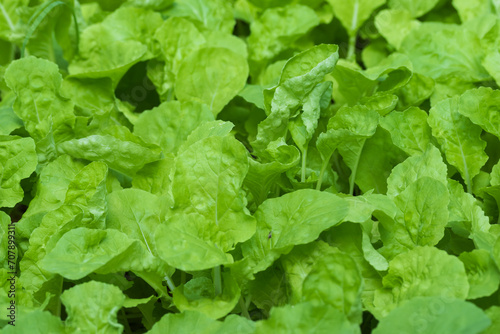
(249, 166)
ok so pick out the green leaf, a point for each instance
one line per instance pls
(416, 7)
(82, 251)
(192, 321)
(277, 29)
(213, 306)
(210, 14)
(395, 24)
(299, 77)
(191, 242)
(352, 14)
(117, 147)
(207, 180)
(336, 281)
(409, 130)
(434, 315)
(421, 272)
(292, 219)
(457, 50)
(483, 274)
(17, 161)
(305, 318)
(494, 314)
(93, 307)
(459, 139)
(429, 164)
(169, 124)
(36, 322)
(480, 106)
(215, 88)
(48, 117)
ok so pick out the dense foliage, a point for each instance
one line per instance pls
(250, 166)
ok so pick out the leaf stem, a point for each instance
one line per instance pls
(170, 283)
(352, 48)
(244, 308)
(217, 280)
(304, 158)
(322, 173)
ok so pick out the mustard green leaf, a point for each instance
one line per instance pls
(216, 87)
(169, 124)
(483, 274)
(277, 29)
(421, 272)
(409, 129)
(434, 314)
(336, 281)
(207, 180)
(17, 161)
(459, 139)
(93, 307)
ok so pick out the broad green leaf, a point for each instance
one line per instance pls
(361, 124)
(416, 92)
(136, 213)
(269, 289)
(169, 124)
(422, 220)
(459, 139)
(292, 219)
(48, 117)
(421, 272)
(277, 29)
(457, 51)
(494, 314)
(387, 20)
(117, 147)
(352, 14)
(51, 188)
(429, 164)
(192, 242)
(306, 318)
(154, 177)
(335, 281)
(93, 307)
(17, 161)
(210, 14)
(354, 84)
(434, 315)
(483, 274)
(468, 10)
(212, 76)
(9, 121)
(299, 77)
(82, 251)
(194, 296)
(207, 180)
(481, 107)
(192, 321)
(299, 263)
(262, 177)
(417, 8)
(409, 130)
(36, 322)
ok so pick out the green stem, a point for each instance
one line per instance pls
(322, 173)
(217, 280)
(170, 283)
(128, 330)
(304, 158)
(244, 308)
(352, 48)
